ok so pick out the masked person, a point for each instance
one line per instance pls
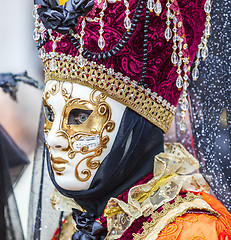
(114, 73)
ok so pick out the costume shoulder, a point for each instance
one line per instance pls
(199, 224)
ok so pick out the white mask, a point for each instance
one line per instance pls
(81, 125)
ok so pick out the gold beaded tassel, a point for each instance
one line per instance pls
(184, 100)
(203, 48)
(101, 40)
(53, 63)
(127, 21)
(81, 60)
(168, 31)
(36, 35)
(174, 57)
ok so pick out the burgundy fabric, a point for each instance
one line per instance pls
(161, 74)
(124, 196)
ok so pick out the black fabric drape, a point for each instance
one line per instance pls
(120, 169)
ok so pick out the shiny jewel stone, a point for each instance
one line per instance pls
(36, 35)
(195, 73)
(151, 5)
(184, 105)
(101, 42)
(81, 61)
(83, 23)
(207, 6)
(183, 126)
(204, 52)
(53, 65)
(127, 23)
(179, 82)
(41, 53)
(207, 29)
(54, 46)
(168, 33)
(158, 8)
(81, 41)
(174, 58)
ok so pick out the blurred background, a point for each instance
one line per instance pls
(20, 118)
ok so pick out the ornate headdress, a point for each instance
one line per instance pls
(136, 52)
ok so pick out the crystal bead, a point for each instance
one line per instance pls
(174, 20)
(174, 47)
(168, 5)
(185, 86)
(105, 5)
(126, 3)
(179, 82)
(112, 1)
(41, 53)
(168, 33)
(174, 58)
(184, 105)
(204, 52)
(182, 114)
(34, 12)
(207, 29)
(53, 65)
(179, 62)
(81, 41)
(180, 45)
(127, 12)
(83, 23)
(101, 31)
(207, 6)
(54, 46)
(101, 23)
(185, 77)
(127, 23)
(168, 14)
(81, 61)
(195, 73)
(36, 35)
(158, 8)
(151, 5)
(183, 126)
(178, 71)
(101, 42)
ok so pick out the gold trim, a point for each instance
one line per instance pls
(109, 212)
(174, 210)
(128, 94)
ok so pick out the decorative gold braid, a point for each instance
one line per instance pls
(127, 94)
(108, 212)
(168, 207)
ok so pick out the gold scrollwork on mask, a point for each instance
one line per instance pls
(92, 129)
(84, 138)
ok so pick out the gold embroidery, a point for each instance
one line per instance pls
(170, 212)
(155, 109)
(140, 198)
(78, 135)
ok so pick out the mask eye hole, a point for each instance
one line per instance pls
(78, 116)
(49, 113)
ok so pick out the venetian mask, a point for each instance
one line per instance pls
(80, 128)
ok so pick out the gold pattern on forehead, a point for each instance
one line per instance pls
(52, 88)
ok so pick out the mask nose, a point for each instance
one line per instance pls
(56, 140)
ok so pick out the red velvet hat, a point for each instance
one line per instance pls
(136, 52)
